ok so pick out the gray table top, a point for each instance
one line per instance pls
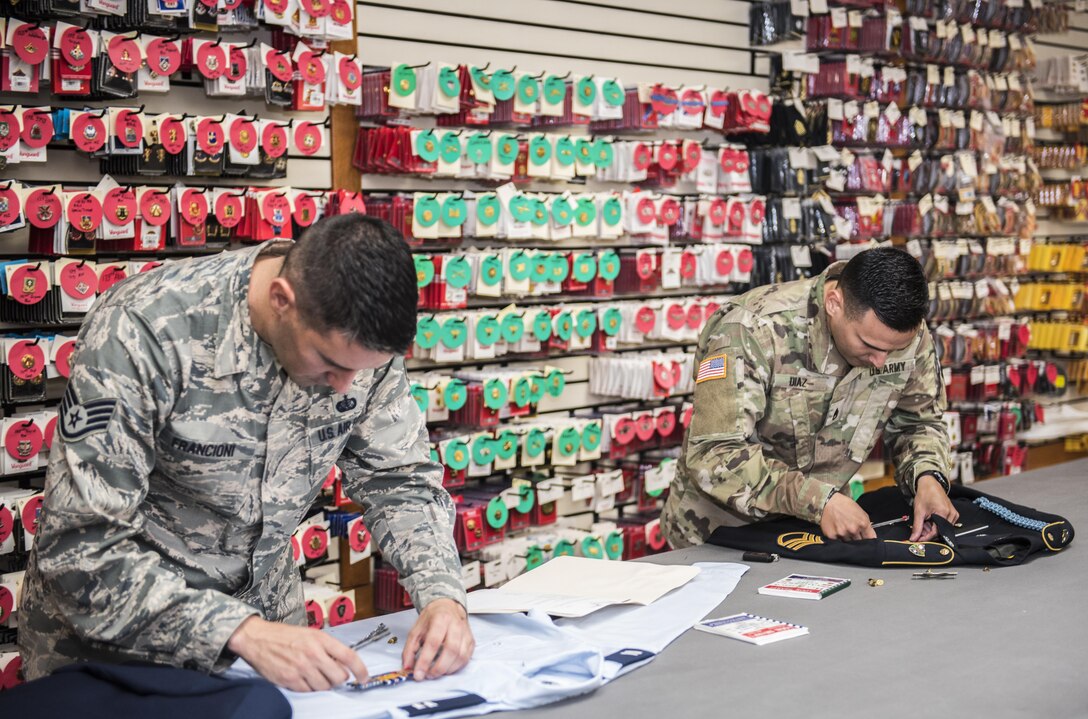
(1009, 642)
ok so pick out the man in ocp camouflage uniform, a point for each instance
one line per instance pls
(795, 383)
(208, 400)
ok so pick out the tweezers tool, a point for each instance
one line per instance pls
(379, 633)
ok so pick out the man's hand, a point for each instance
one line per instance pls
(441, 641)
(930, 499)
(844, 519)
(296, 658)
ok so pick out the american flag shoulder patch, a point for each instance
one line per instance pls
(711, 368)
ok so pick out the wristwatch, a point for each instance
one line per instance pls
(939, 476)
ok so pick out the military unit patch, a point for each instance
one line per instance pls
(711, 368)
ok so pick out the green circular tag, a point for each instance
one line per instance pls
(522, 394)
(454, 333)
(542, 325)
(457, 454)
(457, 271)
(455, 395)
(586, 324)
(421, 396)
(434, 455)
(558, 267)
(527, 497)
(608, 265)
(454, 211)
(449, 82)
(562, 211)
(513, 327)
(555, 89)
(495, 394)
(586, 91)
(520, 266)
(563, 548)
(540, 267)
(537, 387)
(540, 150)
(564, 151)
(555, 383)
(602, 153)
(487, 330)
(534, 557)
(583, 151)
(535, 442)
(528, 89)
(502, 85)
(403, 80)
(424, 270)
(478, 149)
(564, 325)
(488, 209)
(491, 270)
(427, 211)
(521, 208)
(497, 513)
(427, 145)
(591, 436)
(612, 211)
(506, 149)
(427, 332)
(483, 450)
(480, 77)
(592, 548)
(585, 212)
(449, 147)
(506, 444)
(658, 492)
(613, 545)
(569, 442)
(585, 266)
(613, 93)
(611, 322)
(540, 212)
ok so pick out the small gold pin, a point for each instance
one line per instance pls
(876, 582)
(392, 640)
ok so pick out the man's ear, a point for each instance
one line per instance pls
(833, 302)
(281, 296)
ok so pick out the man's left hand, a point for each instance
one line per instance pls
(441, 641)
(930, 499)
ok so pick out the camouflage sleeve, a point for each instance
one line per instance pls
(97, 574)
(388, 471)
(916, 436)
(723, 454)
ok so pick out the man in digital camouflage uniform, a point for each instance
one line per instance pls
(208, 401)
(795, 383)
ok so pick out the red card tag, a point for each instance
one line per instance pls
(88, 132)
(275, 208)
(692, 102)
(350, 75)
(305, 210)
(26, 358)
(172, 135)
(78, 280)
(296, 550)
(316, 8)
(693, 155)
(340, 12)
(667, 156)
(209, 136)
(9, 130)
(194, 206)
(155, 208)
(7, 525)
(30, 44)
(645, 426)
(666, 423)
(711, 308)
(624, 430)
(645, 319)
(724, 263)
(23, 440)
(75, 47)
(642, 156)
(644, 265)
(663, 100)
(228, 209)
(687, 265)
(695, 316)
(716, 211)
(124, 53)
(274, 140)
(85, 212)
(358, 536)
(341, 611)
(9, 205)
(31, 511)
(43, 208)
(148, 266)
(676, 316)
(37, 129)
(51, 425)
(315, 541)
(645, 211)
(311, 67)
(163, 56)
(277, 7)
(243, 135)
(670, 212)
(308, 138)
(279, 64)
(238, 65)
(719, 101)
(110, 276)
(662, 378)
(744, 260)
(211, 60)
(756, 211)
(129, 128)
(28, 285)
(119, 207)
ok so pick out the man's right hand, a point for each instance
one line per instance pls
(844, 519)
(295, 658)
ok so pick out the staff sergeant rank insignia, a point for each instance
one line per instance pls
(80, 420)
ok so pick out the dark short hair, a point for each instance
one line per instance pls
(889, 282)
(354, 274)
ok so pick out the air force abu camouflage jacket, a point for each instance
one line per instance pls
(183, 461)
(785, 419)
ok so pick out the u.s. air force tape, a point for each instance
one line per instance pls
(80, 420)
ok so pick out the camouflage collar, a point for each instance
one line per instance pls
(825, 358)
(238, 347)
